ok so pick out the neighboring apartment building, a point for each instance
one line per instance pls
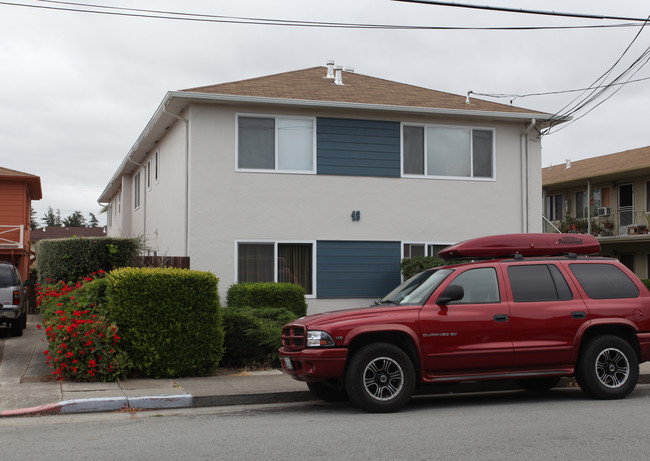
(606, 196)
(17, 190)
(325, 178)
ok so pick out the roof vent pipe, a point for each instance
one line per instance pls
(338, 75)
(568, 163)
(330, 69)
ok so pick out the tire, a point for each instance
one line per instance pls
(608, 368)
(329, 391)
(380, 378)
(538, 384)
(17, 326)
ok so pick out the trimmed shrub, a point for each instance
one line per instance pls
(170, 320)
(412, 266)
(268, 294)
(73, 258)
(253, 336)
(646, 282)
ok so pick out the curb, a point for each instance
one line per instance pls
(103, 404)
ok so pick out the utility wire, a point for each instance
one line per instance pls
(197, 17)
(522, 11)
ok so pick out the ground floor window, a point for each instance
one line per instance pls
(412, 250)
(276, 262)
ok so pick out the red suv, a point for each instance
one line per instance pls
(532, 308)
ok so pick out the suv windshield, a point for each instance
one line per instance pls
(417, 289)
(6, 276)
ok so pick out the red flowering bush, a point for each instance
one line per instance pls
(83, 343)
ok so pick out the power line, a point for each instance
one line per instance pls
(198, 17)
(522, 10)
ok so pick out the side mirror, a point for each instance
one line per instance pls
(451, 293)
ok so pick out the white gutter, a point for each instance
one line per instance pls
(525, 199)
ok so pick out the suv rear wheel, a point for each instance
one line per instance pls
(608, 368)
(380, 378)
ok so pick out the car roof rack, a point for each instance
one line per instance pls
(522, 245)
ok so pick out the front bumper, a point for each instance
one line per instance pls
(314, 364)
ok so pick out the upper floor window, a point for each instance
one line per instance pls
(156, 165)
(136, 191)
(149, 175)
(589, 205)
(445, 151)
(276, 144)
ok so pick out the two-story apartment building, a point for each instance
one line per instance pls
(608, 197)
(325, 178)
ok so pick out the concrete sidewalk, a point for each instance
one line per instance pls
(27, 386)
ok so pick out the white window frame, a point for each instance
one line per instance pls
(275, 169)
(275, 258)
(453, 178)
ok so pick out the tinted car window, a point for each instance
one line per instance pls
(480, 286)
(604, 281)
(6, 276)
(539, 282)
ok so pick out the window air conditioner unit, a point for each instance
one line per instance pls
(603, 211)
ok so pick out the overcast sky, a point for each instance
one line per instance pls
(77, 89)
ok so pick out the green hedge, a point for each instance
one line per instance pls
(253, 336)
(415, 265)
(276, 295)
(169, 319)
(73, 258)
(646, 282)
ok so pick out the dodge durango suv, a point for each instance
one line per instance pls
(529, 307)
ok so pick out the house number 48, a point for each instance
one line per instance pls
(356, 215)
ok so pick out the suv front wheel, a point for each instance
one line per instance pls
(608, 368)
(380, 378)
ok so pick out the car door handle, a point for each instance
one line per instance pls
(501, 318)
(579, 315)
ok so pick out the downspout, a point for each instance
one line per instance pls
(525, 199)
(144, 202)
(589, 206)
(186, 218)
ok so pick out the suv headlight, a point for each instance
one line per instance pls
(319, 339)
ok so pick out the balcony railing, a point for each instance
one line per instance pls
(617, 224)
(12, 237)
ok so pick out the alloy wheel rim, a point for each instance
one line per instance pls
(383, 378)
(612, 368)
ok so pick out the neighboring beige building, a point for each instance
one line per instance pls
(606, 196)
(324, 178)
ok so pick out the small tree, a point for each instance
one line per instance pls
(76, 219)
(33, 224)
(93, 222)
(52, 219)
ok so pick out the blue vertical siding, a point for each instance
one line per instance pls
(358, 147)
(352, 269)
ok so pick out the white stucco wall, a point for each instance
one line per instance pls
(226, 205)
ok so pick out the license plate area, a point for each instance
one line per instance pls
(287, 363)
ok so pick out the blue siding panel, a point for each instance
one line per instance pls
(352, 269)
(358, 147)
